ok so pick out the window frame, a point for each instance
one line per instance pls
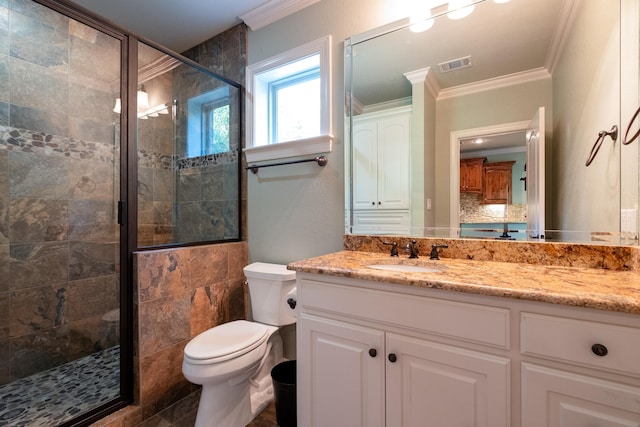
(259, 75)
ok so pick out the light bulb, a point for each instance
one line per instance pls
(421, 26)
(143, 99)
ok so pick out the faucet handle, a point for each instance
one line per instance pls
(434, 251)
(394, 247)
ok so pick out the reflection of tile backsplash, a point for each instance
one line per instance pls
(472, 211)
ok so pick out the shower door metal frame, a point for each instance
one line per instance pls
(127, 205)
(127, 227)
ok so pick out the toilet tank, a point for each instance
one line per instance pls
(270, 286)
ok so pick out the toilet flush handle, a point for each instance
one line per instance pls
(292, 303)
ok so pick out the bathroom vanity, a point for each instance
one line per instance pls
(396, 342)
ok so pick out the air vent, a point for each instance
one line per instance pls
(455, 64)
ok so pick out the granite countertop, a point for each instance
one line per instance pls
(576, 286)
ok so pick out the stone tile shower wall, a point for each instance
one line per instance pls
(214, 176)
(181, 293)
(183, 199)
(58, 238)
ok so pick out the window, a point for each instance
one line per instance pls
(208, 123)
(288, 103)
(294, 103)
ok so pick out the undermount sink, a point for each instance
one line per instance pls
(407, 266)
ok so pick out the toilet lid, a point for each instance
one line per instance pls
(226, 339)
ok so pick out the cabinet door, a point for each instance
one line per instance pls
(394, 143)
(365, 161)
(555, 398)
(340, 382)
(471, 175)
(496, 188)
(435, 385)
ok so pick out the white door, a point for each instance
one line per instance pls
(436, 385)
(536, 176)
(553, 398)
(340, 374)
(365, 164)
(394, 144)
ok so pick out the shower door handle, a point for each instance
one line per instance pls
(122, 207)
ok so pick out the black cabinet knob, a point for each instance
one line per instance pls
(292, 303)
(373, 352)
(392, 358)
(599, 350)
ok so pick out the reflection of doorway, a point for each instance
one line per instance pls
(499, 134)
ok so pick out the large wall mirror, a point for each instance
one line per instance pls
(481, 126)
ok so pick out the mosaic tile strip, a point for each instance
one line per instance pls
(209, 160)
(52, 397)
(27, 141)
(151, 160)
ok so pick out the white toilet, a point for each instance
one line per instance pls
(233, 361)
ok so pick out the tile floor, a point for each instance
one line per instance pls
(59, 394)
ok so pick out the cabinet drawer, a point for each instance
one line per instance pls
(381, 221)
(571, 340)
(468, 322)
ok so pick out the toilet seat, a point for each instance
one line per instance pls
(225, 342)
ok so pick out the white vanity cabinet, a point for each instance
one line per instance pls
(368, 357)
(381, 175)
(375, 354)
(553, 394)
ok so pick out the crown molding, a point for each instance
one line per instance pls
(495, 83)
(273, 11)
(156, 68)
(566, 19)
(426, 76)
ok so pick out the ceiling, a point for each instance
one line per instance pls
(175, 24)
(501, 40)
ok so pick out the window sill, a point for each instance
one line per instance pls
(301, 147)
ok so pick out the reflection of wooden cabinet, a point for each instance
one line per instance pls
(471, 175)
(496, 186)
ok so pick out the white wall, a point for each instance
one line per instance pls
(295, 212)
(587, 198)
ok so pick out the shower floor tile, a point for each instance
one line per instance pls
(59, 394)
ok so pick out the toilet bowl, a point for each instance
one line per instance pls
(233, 361)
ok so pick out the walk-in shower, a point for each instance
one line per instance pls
(84, 181)
(59, 237)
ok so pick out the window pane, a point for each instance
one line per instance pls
(298, 111)
(219, 129)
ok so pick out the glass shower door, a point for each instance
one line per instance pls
(59, 237)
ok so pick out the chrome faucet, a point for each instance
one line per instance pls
(434, 251)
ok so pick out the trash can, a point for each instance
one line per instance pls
(283, 376)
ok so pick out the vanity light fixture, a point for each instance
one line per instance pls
(143, 103)
(143, 99)
(458, 9)
(421, 26)
(421, 18)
